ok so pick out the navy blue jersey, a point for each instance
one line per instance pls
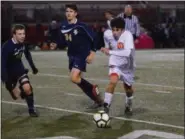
(11, 63)
(79, 38)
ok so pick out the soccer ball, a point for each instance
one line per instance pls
(101, 119)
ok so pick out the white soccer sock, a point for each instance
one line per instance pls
(108, 98)
(128, 99)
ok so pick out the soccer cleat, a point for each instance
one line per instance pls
(128, 110)
(33, 113)
(94, 106)
(106, 107)
(128, 105)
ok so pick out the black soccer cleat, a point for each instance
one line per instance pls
(94, 106)
(128, 110)
(33, 113)
(106, 107)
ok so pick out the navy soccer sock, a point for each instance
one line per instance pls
(30, 102)
(87, 88)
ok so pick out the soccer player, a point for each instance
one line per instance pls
(13, 70)
(121, 62)
(81, 43)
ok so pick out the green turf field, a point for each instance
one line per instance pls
(158, 103)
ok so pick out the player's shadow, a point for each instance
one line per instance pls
(136, 111)
(20, 111)
(136, 78)
(140, 110)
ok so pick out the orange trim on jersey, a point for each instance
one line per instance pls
(114, 74)
(120, 45)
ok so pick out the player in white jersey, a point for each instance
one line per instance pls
(120, 48)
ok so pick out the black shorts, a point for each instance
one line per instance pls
(78, 63)
(13, 79)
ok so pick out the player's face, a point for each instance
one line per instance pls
(19, 35)
(128, 10)
(117, 32)
(70, 14)
(108, 16)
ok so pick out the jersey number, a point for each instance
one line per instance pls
(120, 45)
(68, 37)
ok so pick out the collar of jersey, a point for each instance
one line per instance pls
(14, 41)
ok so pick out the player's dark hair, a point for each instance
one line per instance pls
(72, 6)
(118, 23)
(108, 11)
(17, 27)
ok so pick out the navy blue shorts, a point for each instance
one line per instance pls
(13, 79)
(78, 63)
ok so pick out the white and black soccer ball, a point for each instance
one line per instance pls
(101, 119)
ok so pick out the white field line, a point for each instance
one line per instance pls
(86, 113)
(104, 80)
(104, 65)
(163, 92)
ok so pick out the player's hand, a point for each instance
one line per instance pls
(105, 50)
(90, 57)
(102, 49)
(35, 71)
(136, 41)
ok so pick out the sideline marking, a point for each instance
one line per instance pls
(104, 80)
(138, 133)
(86, 113)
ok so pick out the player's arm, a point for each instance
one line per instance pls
(137, 27)
(106, 39)
(124, 47)
(4, 58)
(30, 60)
(63, 41)
(123, 52)
(94, 39)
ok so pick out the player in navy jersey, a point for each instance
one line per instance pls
(81, 42)
(13, 72)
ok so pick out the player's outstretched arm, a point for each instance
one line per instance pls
(123, 52)
(30, 60)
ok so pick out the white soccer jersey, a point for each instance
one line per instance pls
(122, 51)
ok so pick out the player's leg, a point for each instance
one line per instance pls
(114, 78)
(27, 93)
(11, 87)
(86, 87)
(128, 80)
(77, 66)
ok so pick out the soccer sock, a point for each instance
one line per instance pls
(87, 88)
(30, 102)
(129, 97)
(108, 98)
(129, 94)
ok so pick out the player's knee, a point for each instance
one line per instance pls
(75, 79)
(128, 88)
(114, 78)
(27, 89)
